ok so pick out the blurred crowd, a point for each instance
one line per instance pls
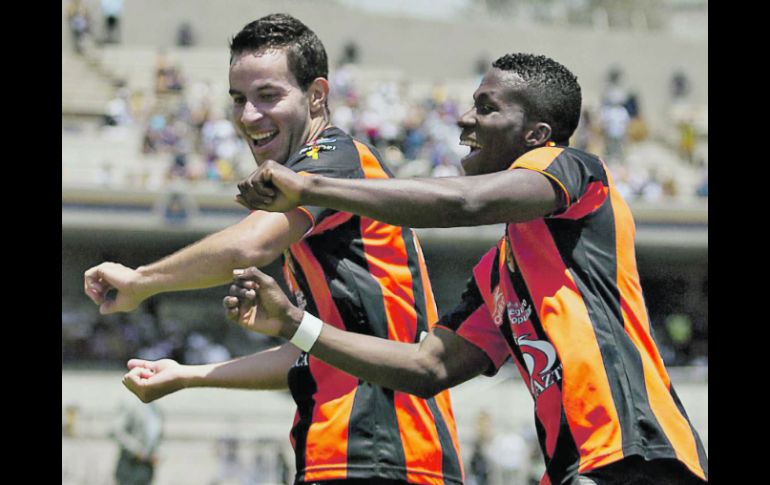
(416, 132)
(160, 328)
(195, 332)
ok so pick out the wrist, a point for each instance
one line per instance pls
(142, 285)
(291, 322)
(194, 375)
(308, 193)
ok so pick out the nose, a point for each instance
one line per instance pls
(250, 114)
(467, 120)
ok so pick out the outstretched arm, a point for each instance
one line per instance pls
(151, 380)
(440, 361)
(256, 240)
(508, 196)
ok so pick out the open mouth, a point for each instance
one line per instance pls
(472, 144)
(262, 139)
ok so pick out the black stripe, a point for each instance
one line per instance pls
(301, 382)
(374, 441)
(563, 466)
(702, 457)
(303, 387)
(450, 461)
(588, 250)
(470, 301)
(413, 262)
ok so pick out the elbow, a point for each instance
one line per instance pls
(246, 256)
(432, 378)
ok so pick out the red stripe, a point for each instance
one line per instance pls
(331, 222)
(587, 401)
(592, 199)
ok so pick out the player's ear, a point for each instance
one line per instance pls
(318, 94)
(539, 134)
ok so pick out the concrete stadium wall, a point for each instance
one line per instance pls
(428, 50)
(196, 418)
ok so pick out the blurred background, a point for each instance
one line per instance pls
(150, 161)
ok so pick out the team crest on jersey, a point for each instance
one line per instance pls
(321, 145)
(541, 362)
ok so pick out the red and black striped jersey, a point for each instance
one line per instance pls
(363, 276)
(561, 294)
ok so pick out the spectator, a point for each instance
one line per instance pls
(112, 10)
(185, 36)
(79, 21)
(138, 434)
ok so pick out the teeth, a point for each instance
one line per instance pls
(470, 143)
(262, 136)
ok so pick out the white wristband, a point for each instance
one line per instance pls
(308, 332)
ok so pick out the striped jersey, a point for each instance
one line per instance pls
(363, 276)
(561, 296)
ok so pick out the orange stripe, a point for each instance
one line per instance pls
(430, 303)
(327, 439)
(587, 399)
(388, 264)
(369, 163)
(539, 160)
(422, 448)
(444, 402)
(635, 321)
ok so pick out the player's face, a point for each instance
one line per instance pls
(270, 110)
(495, 127)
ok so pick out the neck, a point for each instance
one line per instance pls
(317, 125)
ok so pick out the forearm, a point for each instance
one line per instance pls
(255, 241)
(508, 196)
(394, 201)
(260, 371)
(394, 365)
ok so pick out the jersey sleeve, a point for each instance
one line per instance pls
(472, 321)
(328, 163)
(579, 178)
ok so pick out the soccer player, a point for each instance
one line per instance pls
(559, 293)
(360, 274)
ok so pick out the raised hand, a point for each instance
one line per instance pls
(257, 303)
(271, 187)
(99, 280)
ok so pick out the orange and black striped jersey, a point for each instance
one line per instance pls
(561, 294)
(363, 276)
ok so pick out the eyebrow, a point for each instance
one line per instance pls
(482, 96)
(264, 87)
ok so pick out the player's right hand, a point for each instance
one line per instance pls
(257, 303)
(271, 187)
(101, 279)
(150, 380)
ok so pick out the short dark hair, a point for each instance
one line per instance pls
(553, 92)
(304, 50)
